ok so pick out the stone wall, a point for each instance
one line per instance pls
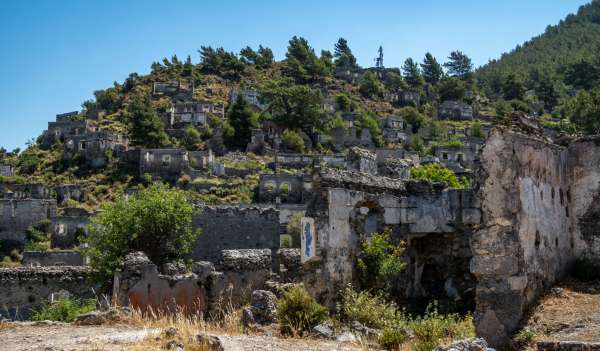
(210, 288)
(52, 258)
(232, 228)
(68, 229)
(16, 215)
(540, 211)
(284, 188)
(68, 191)
(26, 287)
(435, 222)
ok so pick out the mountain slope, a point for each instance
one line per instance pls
(575, 38)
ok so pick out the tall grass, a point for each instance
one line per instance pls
(63, 310)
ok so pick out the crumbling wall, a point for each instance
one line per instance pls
(234, 227)
(52, 258)
(348, 209)
(210, 289)
(16, 215)
(27, 287)
(68, 229)
(538, 201)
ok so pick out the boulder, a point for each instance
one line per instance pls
(262, 310)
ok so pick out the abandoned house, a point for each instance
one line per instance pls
(433, 221)
(460, 160)
(96, 148)
(177, 90)
(64, 128)
(6, 170)
(284, 188)
(456, 111)
(17, 215)
(252, 97)
(183, 114)
(167, 164)
(395, 129)
(68, 228)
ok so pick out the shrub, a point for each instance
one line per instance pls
(525, 337)
(394, 335)
(439, 173)
(63, 310)
(587, 269)
(298, 312)
(432, 328)
(379, 261)
(369, 310)
(292, 140)
(157, 221)
(294, 230)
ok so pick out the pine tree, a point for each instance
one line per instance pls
(459, 65)
(242, 119)
(412, 73)
(343, 55)
(145, 127)
(432, 70)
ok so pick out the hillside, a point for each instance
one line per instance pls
(575, 38)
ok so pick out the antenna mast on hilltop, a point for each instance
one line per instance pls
(379, 58)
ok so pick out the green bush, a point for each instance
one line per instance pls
(368, 309)
(292, 140)
(298, 312)
(379, 261)
(432, 328)
(157, 221)
(439, 173)
(587, 269)
(63, 310)
(394, 335)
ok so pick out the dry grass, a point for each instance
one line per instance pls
(187, 328)
(6, 326)
(573, 315)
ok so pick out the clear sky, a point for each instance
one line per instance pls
(55, 53)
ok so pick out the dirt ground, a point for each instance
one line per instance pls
(66, 337)
(570, 312)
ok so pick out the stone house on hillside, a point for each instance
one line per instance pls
(251, 95)
(177, 90)
(395, 129)
(284, 188)
(456, 111)
(6, 170)
(166, 164)
(64, 127)
(182, 114)
(96, 148)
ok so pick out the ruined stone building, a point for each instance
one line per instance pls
(6, 170)
(177, 90)
(395, 129)
(69, 228)
(95, 148)
(435, 222)
(186, 113)
(18, 214)
(455, 110)
(64, 128)
(284, 188)
(167, 164)
(251, 95)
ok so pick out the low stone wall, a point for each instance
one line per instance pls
(52, 258)
(567, 346)
(209, 289)
(26, 287)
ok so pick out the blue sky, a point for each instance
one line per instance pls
(55, 53)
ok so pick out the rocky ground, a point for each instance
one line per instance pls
(570, 312)
(67, 337)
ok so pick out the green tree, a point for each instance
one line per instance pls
(345, 103)
(412, 73)
(583, 111)
(145, 127)
(294, 106)
(379, 262)
(432, 69)
(513, 87)
(157, 221)
(393, 81)
(292, 140)
(191, 138)
(413, 117)
(452, 88)
(219, 61)
(370, 86)
(583, 74)
(343, 55)
(302, 63)
(262, 58)
(369, 121)
(242, 119)
(459, 65)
